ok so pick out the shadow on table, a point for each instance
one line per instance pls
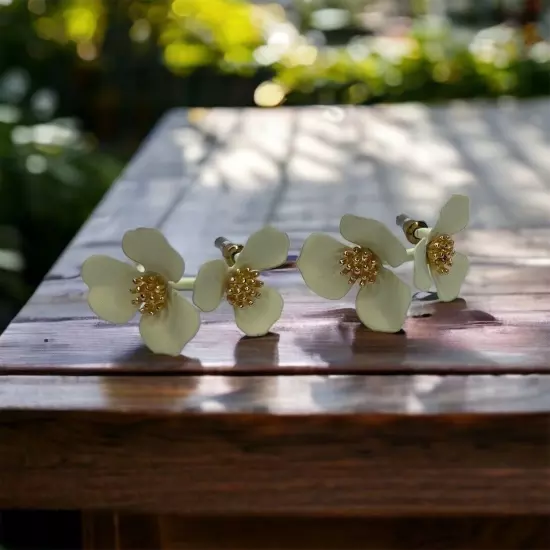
(257, 353)
(143, 357)
(457, 312)
(348, 347)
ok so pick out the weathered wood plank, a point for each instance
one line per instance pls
(411, 394)
(323, 340)
(301, 170)
(326, 440)
(500, 326)
(163, 171)
(528, 247)
(139, 444)
(235, 188)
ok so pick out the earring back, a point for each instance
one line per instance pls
(228, 249)
(409, 227)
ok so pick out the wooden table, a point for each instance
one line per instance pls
(322, 435)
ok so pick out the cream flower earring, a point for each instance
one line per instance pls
(436, 262)
(330, 268)
(257, 307)
(119, 290)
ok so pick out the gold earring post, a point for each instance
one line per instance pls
(228, 249)
(409, 227)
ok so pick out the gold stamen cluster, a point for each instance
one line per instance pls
(151, 293)
(440, 252)
(242, 287)
(360, 265)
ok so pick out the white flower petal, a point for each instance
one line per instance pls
(210, 285)
(422, 278)
(169, 331)
(257, 319)
(374, 235)
(112, 304)
(149, 248)
(454, 216)
(265, 249)
(100, 270)
(110, 282)
(318, 264)
(383, 305)
(448, 286)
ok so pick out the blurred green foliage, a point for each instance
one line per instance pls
(51, 173)
(431, 63)
(426, 61)
(51, 176)
(326, 52)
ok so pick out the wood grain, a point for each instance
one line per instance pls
(295, 445)
(307, 395)
(355, 423)
(503, 331)
(206, 173)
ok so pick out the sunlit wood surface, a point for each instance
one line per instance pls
(321, 417)
(229, 172)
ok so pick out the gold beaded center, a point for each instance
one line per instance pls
(151, 293)
(440, 252)
(242, 287)
(360, 265)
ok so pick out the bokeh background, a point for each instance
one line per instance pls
(82, 82)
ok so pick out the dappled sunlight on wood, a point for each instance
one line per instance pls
(301, 171)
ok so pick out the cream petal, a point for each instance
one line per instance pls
(265, 249)
(257, 319)
(448, 286)
(110, 282)
(100, 270)
(422, 278)
(374, 235)
(210, 285)
(383, 305)
(112, 304)
(149, 248)
(454, 216)
(169, 331)
(318, 264)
